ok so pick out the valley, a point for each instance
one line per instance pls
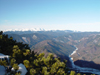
(82, 69)
(88, 50)
(82, 47)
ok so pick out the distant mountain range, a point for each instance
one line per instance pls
(34, 30)
(37, 29)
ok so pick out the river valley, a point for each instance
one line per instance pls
(82, 69)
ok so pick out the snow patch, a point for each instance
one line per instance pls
(25, 39)
(22, 68)
(2, 70)
(3, 56)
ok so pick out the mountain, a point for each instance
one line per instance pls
(74, 38)
(82, 47)
(47, 32)
(32, 29)
(36, 29)
(62, 43)
(88, 50)
(30, 39)
(57, 48)
(41, 42)
(44, 43)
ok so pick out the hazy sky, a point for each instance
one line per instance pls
(80, 15)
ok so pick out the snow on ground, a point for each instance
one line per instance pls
(22, 68)
(3, 56)
(2, 70)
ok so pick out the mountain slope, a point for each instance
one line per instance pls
(48, 46)
(73, 38)
(88, 49)
(54, 33)
(30, 39)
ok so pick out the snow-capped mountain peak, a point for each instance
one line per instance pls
(31, 29)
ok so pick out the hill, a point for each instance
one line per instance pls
(74, 38)
(59, 49)
(30, 39)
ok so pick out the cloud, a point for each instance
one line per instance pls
(70, 26)
(85, 26)
(88, 24)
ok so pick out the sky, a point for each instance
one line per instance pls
(79, 15)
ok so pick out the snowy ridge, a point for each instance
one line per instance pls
(38, 29)
(3, 56)
(31, 29)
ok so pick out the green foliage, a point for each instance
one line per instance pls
(48, 65)
(0, 36)
(12, 61)
(44, 69)
(16, 67)
(61, 72)
(40, 55)
(3, 62)
(7, 44)
(26, 63)
(27, 52)
(16, 51)
(72, 73)
(18, 73)
(78, 74)
(33, 71)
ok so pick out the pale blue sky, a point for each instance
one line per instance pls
(80, 15)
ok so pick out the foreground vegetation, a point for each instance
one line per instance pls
(36, 64)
